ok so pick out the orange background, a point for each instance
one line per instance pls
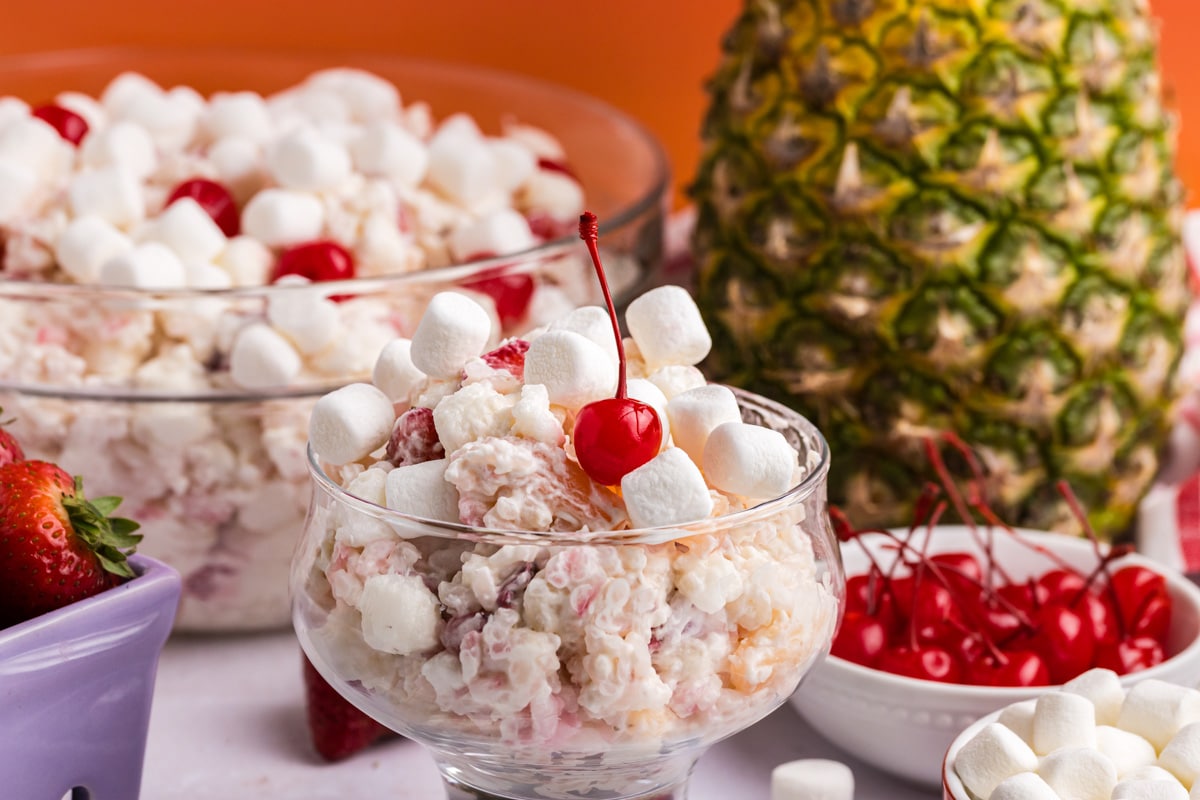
(649, 57)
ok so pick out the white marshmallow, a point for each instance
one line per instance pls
(399, 614)
(17, 186)
(388, 151)
(676, 379)
(1181, 756)
(110, 193)
(309, 319)
(574, 370)
(305, 160)
(1103, 687)
(351, 422)
(239, 165)
(645, 391)
(12, 109)
(1126, 750)
(185, 227)
(666, 490)
(85, 106)
(668, 328)
(553, 193)
(453, 329)
(395, 373)
(1149, 790)
(1061, 720)
(539, 142)
(533, 419)
(515, 163)
(993, 754)
(421, 490)
(1080, 773)
(1024, 786)
(149, 265)
(241, 114)
(125, 88)
(499, 233)
(749, 460)
(85, 244)
(279, 217)
(696, 413)
(206, 275)
(123, 144)
(169, 117)
(1150, 773)
(1156, 710)
(37, 146)
(366, 96)
(1018, 717)
(247, 260)
(592, 322)
(1194, 794)
(461, 165)
(812, 779)
(261, 358)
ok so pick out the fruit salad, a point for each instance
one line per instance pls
(566, 540)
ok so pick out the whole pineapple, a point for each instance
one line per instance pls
(919, 216)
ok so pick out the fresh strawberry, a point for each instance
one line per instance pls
(56, 547)
(338, 729)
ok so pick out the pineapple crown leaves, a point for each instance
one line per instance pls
(112, 539)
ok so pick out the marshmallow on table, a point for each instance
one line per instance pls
(351, 422)
(85, 244)
(108, 192)
(395, 373)
(453, 330)
(122, 144)
(1061, 720)
(1024, 786)
(1126, 750)
(1018, 717)
(592, 322)
(993, 754)
(261, 358)
(1149, 790)
(749, 460)
(501, 232)
(149, 265)
(1080, 773)
(421, 490)
(185, 227)
(241, 114)
(305, 160)
(1181, 756)
(696, 413)
(575, 370)
(1157, 710)
(666, 490)
(281, 217)
(668, 328)
(386, 150)
(1103, 687)
(812, 779)
(399, 614)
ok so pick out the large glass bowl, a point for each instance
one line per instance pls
(215, 471)
(577, 666)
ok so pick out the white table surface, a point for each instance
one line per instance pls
(228, 724)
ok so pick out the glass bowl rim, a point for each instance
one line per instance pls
(810, 483)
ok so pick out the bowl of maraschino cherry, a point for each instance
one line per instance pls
(946, 623)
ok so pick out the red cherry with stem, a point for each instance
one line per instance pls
(511, 292)
(70, 126)
(925, 663)
(1015, 668)
(1065, 640)
(617, 435)
(861, 639)
(1130, 655)
(1142, 600)
(216, 201)
(1060, 584)
(932, 612)
(962, 571)
(318, 261)
(1100, 614)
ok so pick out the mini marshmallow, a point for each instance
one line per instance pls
(247, 260)
(12, 109)
(515, 163)
(366, 96)
(149, 265)
(1079, 773)
(645, 391)
(111, 193)
(749, 460)
(279, 217)
(1061, 720)
(241, 114)
(350, 423)
(666, 490)
(592, 322)
(395, 373)
(461, 165)
(304, 160)
(388, 151)
(239, 165)
(85, 244)
(1018, 717)
(1181, 756)
(17, 185)
(1103, 687)
(1157, 710)
(169, 117)
(309, 319)
(499, 233)
(574, 369)
(1126, 750)
(1149, 790)
(993, 754)
(36, 145)
(261, 358)
(85, 106)
(125, 88)
(812, 779)
(539, 142)
(421, 490)
(123, 144)
(206, 275)
(453, 330)
(695, 413)
(1149, 773)
(399, 614)
(553, 193)
(185, 227)
(1024, 786)
(676, 379)
(533, 419)
(668, 328)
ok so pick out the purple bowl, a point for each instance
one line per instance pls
(75, 690)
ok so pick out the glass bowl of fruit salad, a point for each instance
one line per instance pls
(997, 616)
(197, 245)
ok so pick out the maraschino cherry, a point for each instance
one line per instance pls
(70, 126)
(215, 199)
(616, 435)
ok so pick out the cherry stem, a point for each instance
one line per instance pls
(589, 232)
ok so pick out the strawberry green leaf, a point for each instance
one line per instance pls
(112, 539)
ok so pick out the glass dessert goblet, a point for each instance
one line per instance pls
(595, 665)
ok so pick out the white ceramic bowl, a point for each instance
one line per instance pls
(904, 725)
